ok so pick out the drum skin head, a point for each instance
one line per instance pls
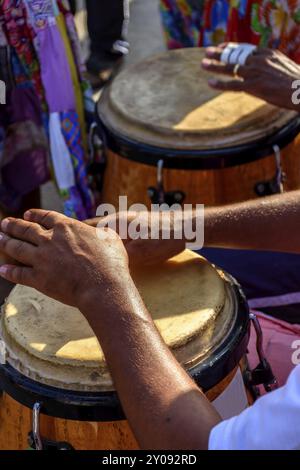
(53, 344)
(165, 101)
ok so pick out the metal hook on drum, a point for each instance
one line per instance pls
(262, 374)
(158, 195)
(37, 440)
(275, 185)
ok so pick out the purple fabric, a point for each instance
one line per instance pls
(56, 75)
(25, 106)
(27, 172)
(25, 145)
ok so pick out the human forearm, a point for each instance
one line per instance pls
(163, 405)
(271, 223)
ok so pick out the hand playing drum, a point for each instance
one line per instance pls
(266, 73)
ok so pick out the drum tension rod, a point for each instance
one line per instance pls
(262, 374)
(35, 440)
(275, 185)
(158, 195)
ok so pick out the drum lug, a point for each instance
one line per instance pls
(36, 442)
(49, 445)
(169, 198)
(262, 374)
(275, 185)
(158, 195)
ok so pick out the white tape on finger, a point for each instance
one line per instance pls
(225, 56)
(234, 57)
(248, 49)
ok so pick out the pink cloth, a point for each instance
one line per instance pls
(279, 338)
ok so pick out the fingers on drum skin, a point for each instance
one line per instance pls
(17, 249)
(230, 85)
(17, 274)
(217, 67)
(214, 53)
(21, 229)
(45, 218)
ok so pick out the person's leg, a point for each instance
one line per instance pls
(73, 6)
(105, 27)
(105, 23)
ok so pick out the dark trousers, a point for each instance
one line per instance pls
(73, 6)
(105, 23)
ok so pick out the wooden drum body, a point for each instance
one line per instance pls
(215, 148)
(72, 417)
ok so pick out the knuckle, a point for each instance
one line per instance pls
(62, 225)
(17, 247)
(27, 229)
(46, 216)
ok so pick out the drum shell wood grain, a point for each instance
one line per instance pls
(124, 177)
(16, 423)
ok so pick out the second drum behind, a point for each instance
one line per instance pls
(170, 138)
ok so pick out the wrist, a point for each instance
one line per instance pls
(103, 290)
(117, 308)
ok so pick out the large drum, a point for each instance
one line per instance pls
(57, 391)
(169, 137)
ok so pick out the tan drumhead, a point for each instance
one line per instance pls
(54, 344)
(165, 101)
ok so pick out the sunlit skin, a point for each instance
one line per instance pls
(65, 259)
(268, 74)
(269, 224)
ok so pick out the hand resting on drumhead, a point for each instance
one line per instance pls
(60, 255)
(140, 251)
(65, 259)
(268, 74)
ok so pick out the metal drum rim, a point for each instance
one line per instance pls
(105, 406)
(202, 159)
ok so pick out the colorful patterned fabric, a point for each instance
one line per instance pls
(20, 38)
(73, 37)
(75, 77)
(71, 131)
(268, 23)
(41, 13)
(34, 65)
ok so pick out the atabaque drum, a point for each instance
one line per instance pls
(169, 137)
(57, 392)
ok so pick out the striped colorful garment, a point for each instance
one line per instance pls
(268, 23)
(43, 47)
